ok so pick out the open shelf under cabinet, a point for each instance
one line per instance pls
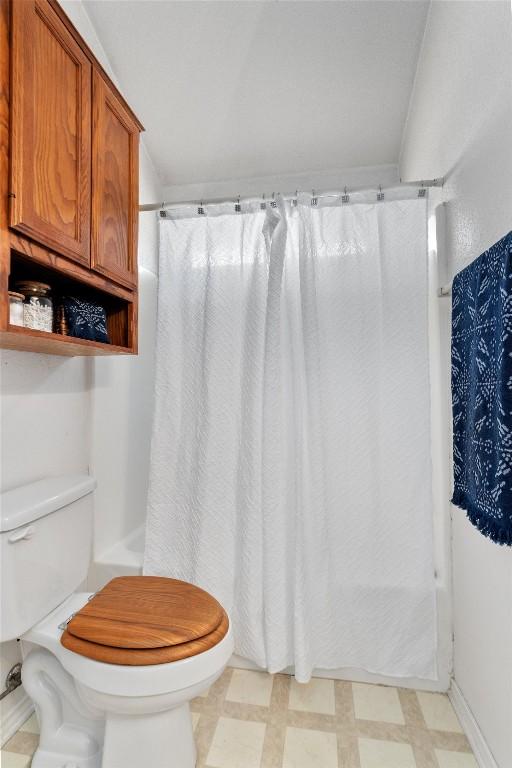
(30, 340)
(120, 310)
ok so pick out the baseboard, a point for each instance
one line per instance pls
(13, 719)
(475, 736)
(357, 676)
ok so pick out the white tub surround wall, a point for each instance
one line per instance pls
(121, 429)
(49, 407)
(460, 127)
(124, 558)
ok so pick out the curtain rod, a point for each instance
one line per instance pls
(236, 199)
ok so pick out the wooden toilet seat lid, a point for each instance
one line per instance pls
(149, 618)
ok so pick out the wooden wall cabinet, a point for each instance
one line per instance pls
(115, 178)
(50, 183)
(68, 176)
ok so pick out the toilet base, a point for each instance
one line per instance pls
(44, 759)
(71, 733)
(160, 740)
(84, 728)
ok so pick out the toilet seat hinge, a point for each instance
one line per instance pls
(64, 624)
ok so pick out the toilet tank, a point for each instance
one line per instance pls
(45, 548)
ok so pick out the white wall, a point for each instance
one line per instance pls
(460, 127)
(462, 73)
(63, 415)
(334, 179)
(44, 415)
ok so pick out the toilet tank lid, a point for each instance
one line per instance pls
(27, 503)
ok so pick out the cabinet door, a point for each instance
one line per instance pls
(50, 184)
(115, 181)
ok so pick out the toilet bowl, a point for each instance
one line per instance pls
(115, 716)
(96, 713)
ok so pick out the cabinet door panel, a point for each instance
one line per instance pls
(50, 132)
(115, 186)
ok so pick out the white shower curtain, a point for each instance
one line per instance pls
(291, 469)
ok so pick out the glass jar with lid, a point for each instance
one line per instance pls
(16, 308)
(38, 306)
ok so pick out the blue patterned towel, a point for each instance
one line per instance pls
(86, 319)
(482, 391)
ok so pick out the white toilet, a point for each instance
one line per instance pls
(92, 714)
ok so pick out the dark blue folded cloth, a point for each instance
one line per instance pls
(86, 319)
(482, 391)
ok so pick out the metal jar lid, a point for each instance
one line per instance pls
(33, 286)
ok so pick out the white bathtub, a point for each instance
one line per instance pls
(122, 559)
(125, 559)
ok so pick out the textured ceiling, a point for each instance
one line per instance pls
(232, 90)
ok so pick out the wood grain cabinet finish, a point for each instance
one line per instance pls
(115, 171)
(50, 182)
(69, 181)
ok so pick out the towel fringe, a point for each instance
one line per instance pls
(492, 529)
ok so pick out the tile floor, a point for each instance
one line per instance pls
(255, 720)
